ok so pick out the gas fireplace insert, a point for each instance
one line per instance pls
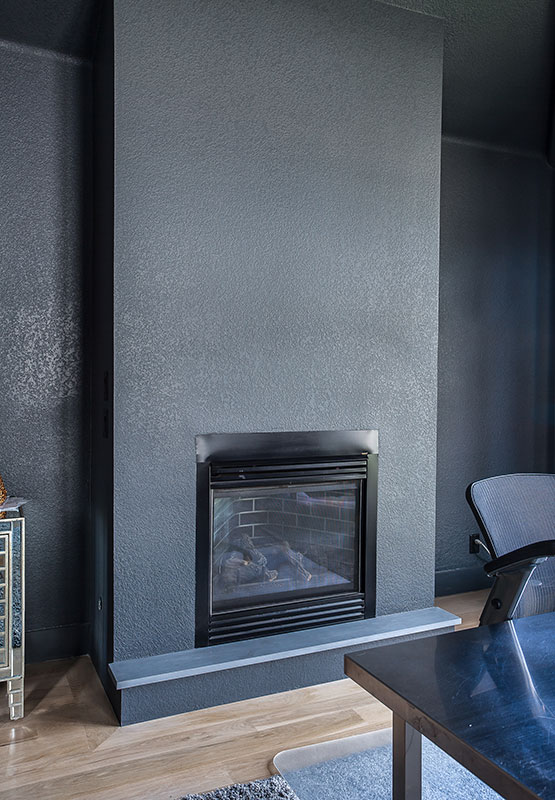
(286, 531)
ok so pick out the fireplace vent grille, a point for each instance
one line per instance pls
(284, 618)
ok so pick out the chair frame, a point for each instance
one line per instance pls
(511, 571)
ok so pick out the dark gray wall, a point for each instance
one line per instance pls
(498, 58)
(43, 403)
(276, 268)
(493, 336)
(497, 75)
(498, 69)
(65, 26)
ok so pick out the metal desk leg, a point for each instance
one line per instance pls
(407, 761)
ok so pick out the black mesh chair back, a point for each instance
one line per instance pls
(518, 510)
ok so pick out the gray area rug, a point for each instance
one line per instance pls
(364, 775)
(274, 788)
(367, 776)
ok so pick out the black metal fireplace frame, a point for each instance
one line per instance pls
(231, 453)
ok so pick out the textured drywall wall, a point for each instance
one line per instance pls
(276, 268)
(498, 58)
(493, 335)
(44, 441)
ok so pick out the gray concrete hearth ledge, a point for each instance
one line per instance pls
(187, 663)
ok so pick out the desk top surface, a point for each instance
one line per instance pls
(485, 695)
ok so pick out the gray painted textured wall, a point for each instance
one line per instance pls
(493, 335)
(43, 407)
(276, 268)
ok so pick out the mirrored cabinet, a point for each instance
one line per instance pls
(12, 611)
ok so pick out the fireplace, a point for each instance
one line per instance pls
(286, 532)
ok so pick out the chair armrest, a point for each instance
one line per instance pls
(525, 556)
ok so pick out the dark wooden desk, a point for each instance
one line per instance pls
(486, 696)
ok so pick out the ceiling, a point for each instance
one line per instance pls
(498, 61)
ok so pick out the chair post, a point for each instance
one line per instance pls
(506, 593)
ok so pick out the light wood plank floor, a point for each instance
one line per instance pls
(71, 747)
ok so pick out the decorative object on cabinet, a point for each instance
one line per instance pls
(3, 497)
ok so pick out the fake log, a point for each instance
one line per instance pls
(244, 563)
(295, 559)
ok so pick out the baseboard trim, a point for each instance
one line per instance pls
(457, 581)
(64, 641)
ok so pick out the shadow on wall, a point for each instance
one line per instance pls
(493, 360)
(44, 138)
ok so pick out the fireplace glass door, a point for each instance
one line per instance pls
(286, 532)
(276, 544)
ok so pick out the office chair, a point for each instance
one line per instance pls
(516, 516)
